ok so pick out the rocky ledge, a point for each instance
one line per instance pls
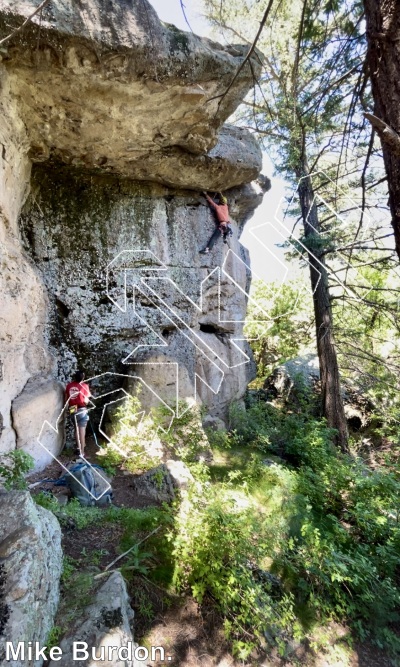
(121, 92)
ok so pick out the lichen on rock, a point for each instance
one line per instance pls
(31, 557)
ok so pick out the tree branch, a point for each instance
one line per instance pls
(387, 135)
(297, 57)
(248, 56)
(28, 20)
(183, 8)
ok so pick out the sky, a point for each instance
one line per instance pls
(262, 233)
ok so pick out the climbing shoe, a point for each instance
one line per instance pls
(204, 252)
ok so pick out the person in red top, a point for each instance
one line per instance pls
(223, 223)
(77, 395)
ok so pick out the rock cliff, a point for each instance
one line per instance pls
(31, 558)
(111, 123)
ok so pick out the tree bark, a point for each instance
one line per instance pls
(332, 403)
(383, 59)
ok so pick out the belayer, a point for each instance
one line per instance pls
(77, 395)
(223, 223)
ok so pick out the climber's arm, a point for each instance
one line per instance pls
(210, 201)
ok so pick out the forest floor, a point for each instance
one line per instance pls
(191, 634)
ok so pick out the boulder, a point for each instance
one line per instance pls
(161, 483)
(303, 372)
(31, 558)
(41, 400)
(305, 367)
(214, 423)
(180, 474)
(105, 623)
(155, 483)
(278, 385)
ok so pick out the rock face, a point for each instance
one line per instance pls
(126, 282)
(41, 399)
(31, 556)
(22, 296)
(105, 623)
(122, 118)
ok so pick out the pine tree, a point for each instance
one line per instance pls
(313, 57)
(383, 60)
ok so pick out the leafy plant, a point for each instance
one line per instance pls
(111, 459)
(13, 468)
(143, 605)
(133, 433)
(70, 566)
(54, 636)
(278, 324)
(47, 500)
(185, 438)
(137, 561)
(320, 522)
(221, 539)
(94, 556)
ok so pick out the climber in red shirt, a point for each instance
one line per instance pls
(77, 394)
(223, 223)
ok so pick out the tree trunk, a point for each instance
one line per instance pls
(332, 403)
(383, 59)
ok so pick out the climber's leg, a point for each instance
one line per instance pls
(215, 235)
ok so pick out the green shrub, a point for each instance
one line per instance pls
(132, 431)
(185, 438)
(54, 637)
(111, 459)
(342, 553)
(249, 426)
(220, 541)
(70, 566)
(47, 500)
(218, 439)
(324, 523)
(13, 468)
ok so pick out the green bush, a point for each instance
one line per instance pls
(47, 500)
(323, 523)
(342, 553)
(249, 426)
(220, 541)
(133, 431)
(13, 468)
(185, 438)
